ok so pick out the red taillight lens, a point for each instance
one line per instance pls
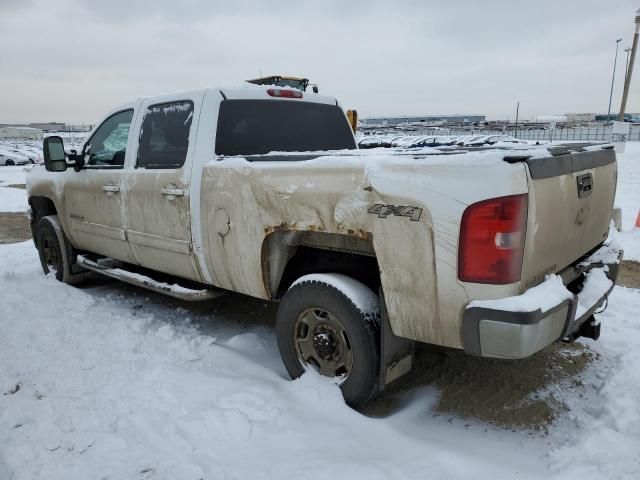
(492, 240)
(277, 92)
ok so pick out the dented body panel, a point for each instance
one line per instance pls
(235, 222)
(257, 199)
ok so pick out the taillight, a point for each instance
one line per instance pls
(492, 240)
(278, 92)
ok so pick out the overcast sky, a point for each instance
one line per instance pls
(72, 60)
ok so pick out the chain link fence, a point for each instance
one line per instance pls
(597, 133)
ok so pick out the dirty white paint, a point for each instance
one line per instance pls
(331, 194)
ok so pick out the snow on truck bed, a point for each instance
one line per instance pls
(425, 155)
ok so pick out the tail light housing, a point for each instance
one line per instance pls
(491, 243)
(279, 92)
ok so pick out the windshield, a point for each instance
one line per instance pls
(256, 127)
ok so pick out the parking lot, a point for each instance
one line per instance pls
(113, 377)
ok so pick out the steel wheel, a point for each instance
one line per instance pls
(50, 251)
(319, 327)
(322, 343)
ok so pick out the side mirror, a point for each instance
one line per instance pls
(54, 156)
(314, 88)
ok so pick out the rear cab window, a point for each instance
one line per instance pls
(164, 135)
(255, 127)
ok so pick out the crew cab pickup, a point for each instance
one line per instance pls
(261, 191)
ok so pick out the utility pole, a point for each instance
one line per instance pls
(627, 82)
(613, 77)
(517, 111)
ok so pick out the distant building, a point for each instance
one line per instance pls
(45, 127)
(21, 132)
(79, 128)
(50, 126)
(551, 119)
(580, 117)
(423, 119)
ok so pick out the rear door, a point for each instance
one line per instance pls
(93, 202)
(157, 200)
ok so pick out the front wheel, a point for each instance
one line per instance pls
(56, 253)
(331, 323)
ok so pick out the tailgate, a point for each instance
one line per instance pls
(571, 197)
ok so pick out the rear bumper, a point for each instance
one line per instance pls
(491, 330)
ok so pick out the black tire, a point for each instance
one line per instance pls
(9, 163)
(56, 253)
(361, 329)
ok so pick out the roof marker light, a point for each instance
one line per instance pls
(278, 92)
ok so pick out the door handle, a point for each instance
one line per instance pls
(111, 189)
(171, 191)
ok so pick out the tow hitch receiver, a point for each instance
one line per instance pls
(589, 329)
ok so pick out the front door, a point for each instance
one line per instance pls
(158, 220)
(93, 202)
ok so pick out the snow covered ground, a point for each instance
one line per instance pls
(628, 199)
(110, 381)
(13, 199)
(107, 381)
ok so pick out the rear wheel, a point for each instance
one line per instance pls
(9, 163)
(319, 326)
(56, 253)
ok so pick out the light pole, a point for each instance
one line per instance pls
(627, 82)
(613, 77)
(517, 112)
(626, 70)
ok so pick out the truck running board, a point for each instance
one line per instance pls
(111, 268)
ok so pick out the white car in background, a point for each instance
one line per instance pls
(10, 157)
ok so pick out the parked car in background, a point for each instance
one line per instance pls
(10, 157)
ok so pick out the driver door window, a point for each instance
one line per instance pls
(108, 145)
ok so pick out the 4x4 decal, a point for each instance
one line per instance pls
(400, 211)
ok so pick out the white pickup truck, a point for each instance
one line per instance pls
(261, 191)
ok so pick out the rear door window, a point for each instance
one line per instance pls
(255, 127)
(164, 136)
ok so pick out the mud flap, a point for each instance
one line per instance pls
(73, 273)
(396, 353)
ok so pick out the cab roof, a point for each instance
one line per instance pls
(244, 91)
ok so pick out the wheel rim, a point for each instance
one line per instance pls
(322, 343)
(50, 252)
